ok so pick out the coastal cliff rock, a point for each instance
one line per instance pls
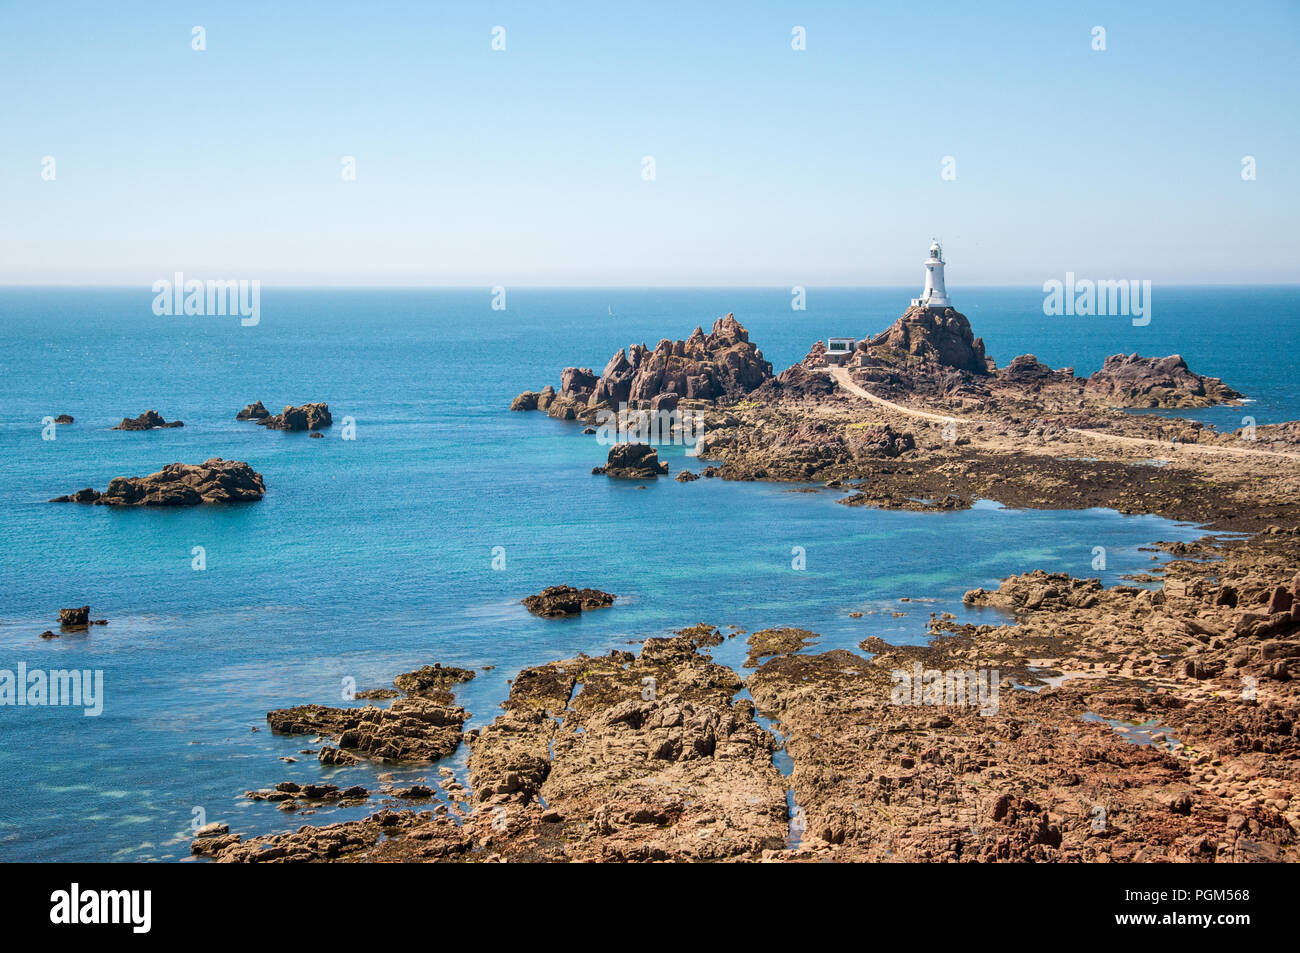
(632, 461)
(254, 411)
(1133, 381)
(306, 417)
(149, 420)
(557, 601)
(179, 484)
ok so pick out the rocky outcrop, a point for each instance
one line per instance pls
(808, 378)
(63, 419)
(632, 461)
(929, 336)
(149, 420)
(179, 484)
(882, 441)
(432, 681)
(720, 364)
(306, 417)
(783, 641)
(557, 601)
(412, 729)
(1027, 371)
(75, 617)
(1133, 381)
(254, 411)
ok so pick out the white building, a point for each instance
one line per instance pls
(839, 349)
(934, 295)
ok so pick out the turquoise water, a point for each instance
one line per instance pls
(373, 556)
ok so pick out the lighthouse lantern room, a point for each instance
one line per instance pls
(934, 295)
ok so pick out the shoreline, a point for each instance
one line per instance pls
(1132, 723)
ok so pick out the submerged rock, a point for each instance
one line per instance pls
(149, 420)
(556, 601)
(179, 484)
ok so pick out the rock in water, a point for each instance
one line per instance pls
(632, 461)
(306, 417)
(1133, 381)
(180, 484)
(557, 601)
(254, 411)
(75, 618)
(149, 420)
(63, 419)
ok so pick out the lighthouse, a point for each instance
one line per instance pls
(934, 295)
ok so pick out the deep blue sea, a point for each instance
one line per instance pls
(372, 556)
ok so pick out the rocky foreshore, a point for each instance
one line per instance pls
(1153, 722)
(1111, 724)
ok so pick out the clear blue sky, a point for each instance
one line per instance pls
(523, 167)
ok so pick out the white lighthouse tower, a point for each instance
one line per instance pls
(934, 295)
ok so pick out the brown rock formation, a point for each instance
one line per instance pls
(179, 484)
(254, 411)
(929, 336)
(556, 601)
(306, 417)
(149, 420)
(632, 461)
(1133, 381)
